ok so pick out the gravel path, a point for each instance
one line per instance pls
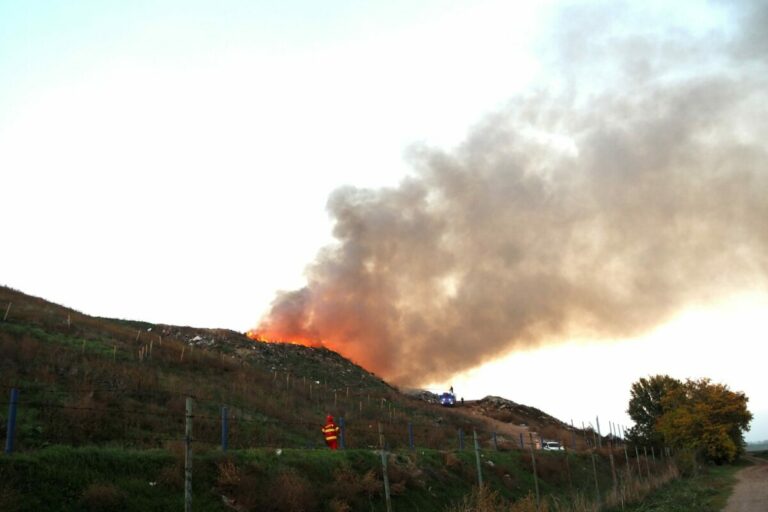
(751, 492)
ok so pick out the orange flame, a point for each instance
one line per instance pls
(267, 337)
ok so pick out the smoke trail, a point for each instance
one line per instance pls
(598, 210)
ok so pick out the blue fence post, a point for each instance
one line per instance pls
(11, 421)
(410, 436)
(224, 429)
(495, 444)
(461, 439)
(342, 432)
(521, 441)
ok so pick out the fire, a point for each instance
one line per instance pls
(269, 337)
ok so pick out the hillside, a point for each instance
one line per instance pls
(114, 390)
(59, 356)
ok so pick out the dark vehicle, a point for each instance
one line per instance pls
(447, 399)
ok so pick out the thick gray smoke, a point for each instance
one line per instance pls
(639, 187)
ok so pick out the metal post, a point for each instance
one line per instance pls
(224, 429)
(573, 435)
(647, 467)
(386, 480)
(535, 476)
(495, 444)
(629, 467)
(594, 471)
(5, 317)
(461, 440)
(477, 459)
(522, 445)
(599, 434)
(410, 436)
(342, 432)
(11, 430)
(188, 459)
(613, 468)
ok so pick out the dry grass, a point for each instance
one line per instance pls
(103, 498)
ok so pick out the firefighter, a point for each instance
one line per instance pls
(331, 433)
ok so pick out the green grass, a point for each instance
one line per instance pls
(60, 478)
(74, 479)
(706, 492)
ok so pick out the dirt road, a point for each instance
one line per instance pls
(751, 491)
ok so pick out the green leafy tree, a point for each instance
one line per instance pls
(708, 418)
(646, 407)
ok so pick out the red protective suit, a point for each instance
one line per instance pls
(331, 433)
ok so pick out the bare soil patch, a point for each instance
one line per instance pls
(751, 492)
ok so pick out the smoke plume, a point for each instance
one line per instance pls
(634, 185)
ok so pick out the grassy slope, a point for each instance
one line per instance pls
(83, 385)
(88, 478)
(706, 492)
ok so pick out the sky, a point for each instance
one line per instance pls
(540, 201)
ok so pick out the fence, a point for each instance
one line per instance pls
(148, 418)
(630, 467)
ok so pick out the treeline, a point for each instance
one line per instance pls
(701, 416)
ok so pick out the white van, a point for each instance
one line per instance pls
(551, 445)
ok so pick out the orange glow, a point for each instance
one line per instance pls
(269, 337)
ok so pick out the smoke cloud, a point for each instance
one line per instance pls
(635, 185)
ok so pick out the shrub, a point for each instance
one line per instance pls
(291, 492)
(482, 499)
(103, 498)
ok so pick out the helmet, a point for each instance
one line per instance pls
(329, 419)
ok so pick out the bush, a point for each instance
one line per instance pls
(103, 498)
(291, 492)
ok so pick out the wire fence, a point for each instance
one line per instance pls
(149, 418)
(222, 427)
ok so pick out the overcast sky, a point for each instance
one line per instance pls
(172, 161)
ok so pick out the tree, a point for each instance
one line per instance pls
(646, 407)
(708, 418)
